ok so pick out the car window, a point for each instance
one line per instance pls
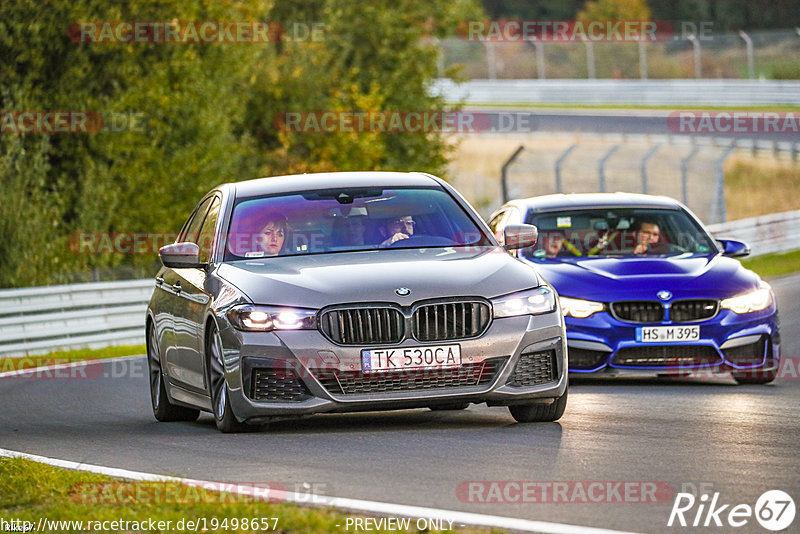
(197, 220)
(206, 237)
(617, 232)
(349, 219)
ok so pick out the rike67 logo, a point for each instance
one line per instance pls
(774, 510)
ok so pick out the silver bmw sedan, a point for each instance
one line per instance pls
(338, 292)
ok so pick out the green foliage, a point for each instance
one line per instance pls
(615, 10)
(206, 115)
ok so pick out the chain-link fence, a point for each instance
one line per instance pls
(682, 167)
(764, 54)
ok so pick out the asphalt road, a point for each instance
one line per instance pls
(714, 436)
(510, 121)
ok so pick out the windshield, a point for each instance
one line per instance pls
(348, 219)
(617, 232)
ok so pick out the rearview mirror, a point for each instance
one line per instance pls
(180, 255)
(733, 248)
(516, 236)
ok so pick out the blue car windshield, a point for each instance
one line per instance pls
(349, 219)
(617, 232)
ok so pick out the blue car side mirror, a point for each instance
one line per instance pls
(734, 249)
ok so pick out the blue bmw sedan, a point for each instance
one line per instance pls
(645, 289)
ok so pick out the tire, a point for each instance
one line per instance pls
(539, 413)
(755, 376)
(450, 407)
(218, 387)
(163, 410)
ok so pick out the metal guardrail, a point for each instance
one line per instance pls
(39, 320)
(777, 232)
(625, 92)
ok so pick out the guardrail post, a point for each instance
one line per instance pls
(642, 60)
(504, 170)
(491, 60)
(541, 68)
(601, 168)
(719, 212)
(643, 166)
(590, 66)
(749, 46)
(685, 174)
(559, 162)
(698, 68)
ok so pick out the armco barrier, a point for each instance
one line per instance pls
(675, 92)
(39, 320)
(777, 232)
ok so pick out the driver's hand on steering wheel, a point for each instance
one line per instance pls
(395, 238)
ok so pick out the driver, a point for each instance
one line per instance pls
(397, 229)
(648, 238)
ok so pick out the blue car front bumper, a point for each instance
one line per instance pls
(727, 342)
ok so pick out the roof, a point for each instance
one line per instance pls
(328, 180)
(594, 200)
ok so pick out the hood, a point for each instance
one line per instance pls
(640, 278)
(319, 280)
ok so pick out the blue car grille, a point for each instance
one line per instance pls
(684, 311)
(638, 311)
(534, 368)
(667, 356)
(469, 375)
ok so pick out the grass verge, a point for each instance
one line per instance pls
(776, 264)
(67, 356)
(30, 491)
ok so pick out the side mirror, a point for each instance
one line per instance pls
(180, 255)
(516, 236)
(733, 248)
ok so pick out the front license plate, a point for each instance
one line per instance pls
(660, 334)
(430, 357)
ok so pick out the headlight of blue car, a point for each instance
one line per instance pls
(579, 308)
(753, 301)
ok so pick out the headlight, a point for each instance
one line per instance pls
(266, 318)
(530, 302)
(579, 308)
(753, 301)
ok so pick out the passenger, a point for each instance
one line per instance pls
(272, 235)
(553, 244)
(397, 229)
(349, 231)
